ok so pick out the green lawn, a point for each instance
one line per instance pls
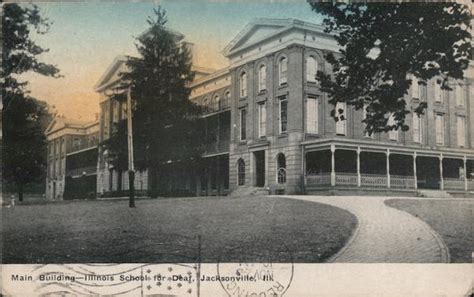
(250, 229)
(452, 219)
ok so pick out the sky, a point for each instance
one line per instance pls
(86, 37)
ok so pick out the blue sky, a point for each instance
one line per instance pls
(87, 36)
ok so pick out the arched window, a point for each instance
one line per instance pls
(262, 78)
(281, 170)
(205, 103)
(217, 102)
(311, 69)
(241, 172)
(282, 70)
(243, 84)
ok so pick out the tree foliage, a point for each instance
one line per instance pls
(165, 121)
(24, 143)
(384, 45)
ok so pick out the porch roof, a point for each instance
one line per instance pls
(371, 146)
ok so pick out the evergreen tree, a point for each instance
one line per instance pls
(166, 125)
(24, 143)
(384, 45)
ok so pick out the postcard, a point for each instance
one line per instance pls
(237, 148)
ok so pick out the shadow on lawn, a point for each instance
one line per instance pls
(190, 230)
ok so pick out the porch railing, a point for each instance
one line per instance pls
(346, 179)
(470, 184)
(453, 183)
(373, 180)
(81, 171)
(323, 179)
(402, 182)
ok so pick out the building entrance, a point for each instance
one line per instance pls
(259, 158)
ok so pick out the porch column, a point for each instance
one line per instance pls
(358, 167)
(333, 166)
(388, 168)
(414, 171)
(465, 173)
(441, 180)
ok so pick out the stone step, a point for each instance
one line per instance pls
(249, 191)
(433, 194)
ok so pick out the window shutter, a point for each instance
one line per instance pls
(341, 123)
(437, 92)
(312, 108)
(393, 134)
(439, 129)
(415, 88)
(461, 133)
(311, 69)
(416, 128)
(459, 96)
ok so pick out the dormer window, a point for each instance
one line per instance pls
(283, 70)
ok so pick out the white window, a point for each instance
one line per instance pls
(262, 119)
(262, 78)
(392, 134)
(216, 102)
(115, 111)
(340, 114)
(438, 93)
(459, 95)
(283, 115)
(417, 128)
(312, 114)
(311, 69)
(243, 124)
(461, 130)
(76, 143)
(364, 116)
(283, 70)
(439, 123)
(243, 85)
(63, 145)
(415, 88)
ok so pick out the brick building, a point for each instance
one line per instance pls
(269, 126)
(72, 159)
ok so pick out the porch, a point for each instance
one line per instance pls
(342, 166)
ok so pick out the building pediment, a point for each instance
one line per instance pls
(254, 32)
(262, 30)
(112, 74)
(55, 125)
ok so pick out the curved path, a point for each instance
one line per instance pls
(384, 234)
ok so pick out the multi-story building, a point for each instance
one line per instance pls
(72, 159)
(269, 125)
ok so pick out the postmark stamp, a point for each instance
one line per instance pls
(256, 278)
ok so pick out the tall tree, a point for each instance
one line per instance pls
(165, 122)
(383, 46)
(24, 143)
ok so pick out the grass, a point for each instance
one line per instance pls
(254, 229)
(452, 219)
